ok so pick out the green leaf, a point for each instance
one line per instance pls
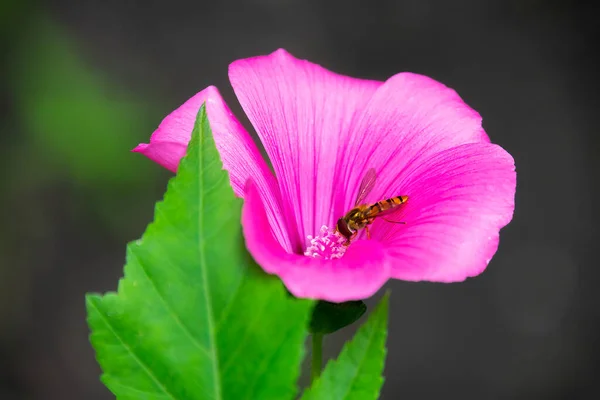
(330, 317)
(357, 372)
(194, 318)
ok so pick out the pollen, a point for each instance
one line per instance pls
(327, 244)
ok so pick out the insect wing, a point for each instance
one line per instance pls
(366, 185)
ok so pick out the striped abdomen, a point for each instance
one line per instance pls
(363, 215)
(384, 205)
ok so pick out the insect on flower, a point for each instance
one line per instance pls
(315, 126)
(363, 215)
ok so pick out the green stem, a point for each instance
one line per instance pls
(317, 356)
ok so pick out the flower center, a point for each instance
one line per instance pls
(327, 244)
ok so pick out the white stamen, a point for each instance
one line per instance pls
(327, 245)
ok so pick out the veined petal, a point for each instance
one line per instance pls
(239, 154)
(303, 114)
(408, 119)
(459, 199)
(362, 270)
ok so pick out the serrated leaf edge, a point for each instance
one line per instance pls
(91, 303)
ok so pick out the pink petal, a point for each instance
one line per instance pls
(408, 119)
(358, 275)
(303, 114)
(239, 154)
(162, 152)
(459, 199)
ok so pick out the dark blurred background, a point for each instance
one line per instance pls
(85, 81)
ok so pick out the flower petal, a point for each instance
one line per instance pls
(303, 114)
(459, 199)
(357, 275)
(239, 154)
(408, 119)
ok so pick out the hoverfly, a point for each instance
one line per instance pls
(363, 215)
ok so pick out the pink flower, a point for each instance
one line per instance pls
(322, 132)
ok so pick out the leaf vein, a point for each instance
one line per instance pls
(169, 308)
(132, 389)
(130, 350)
(372, 333)
(217, 185)
(249, 329)
(202, 257)
(216, 228)
(229, 306)
(264, 366)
